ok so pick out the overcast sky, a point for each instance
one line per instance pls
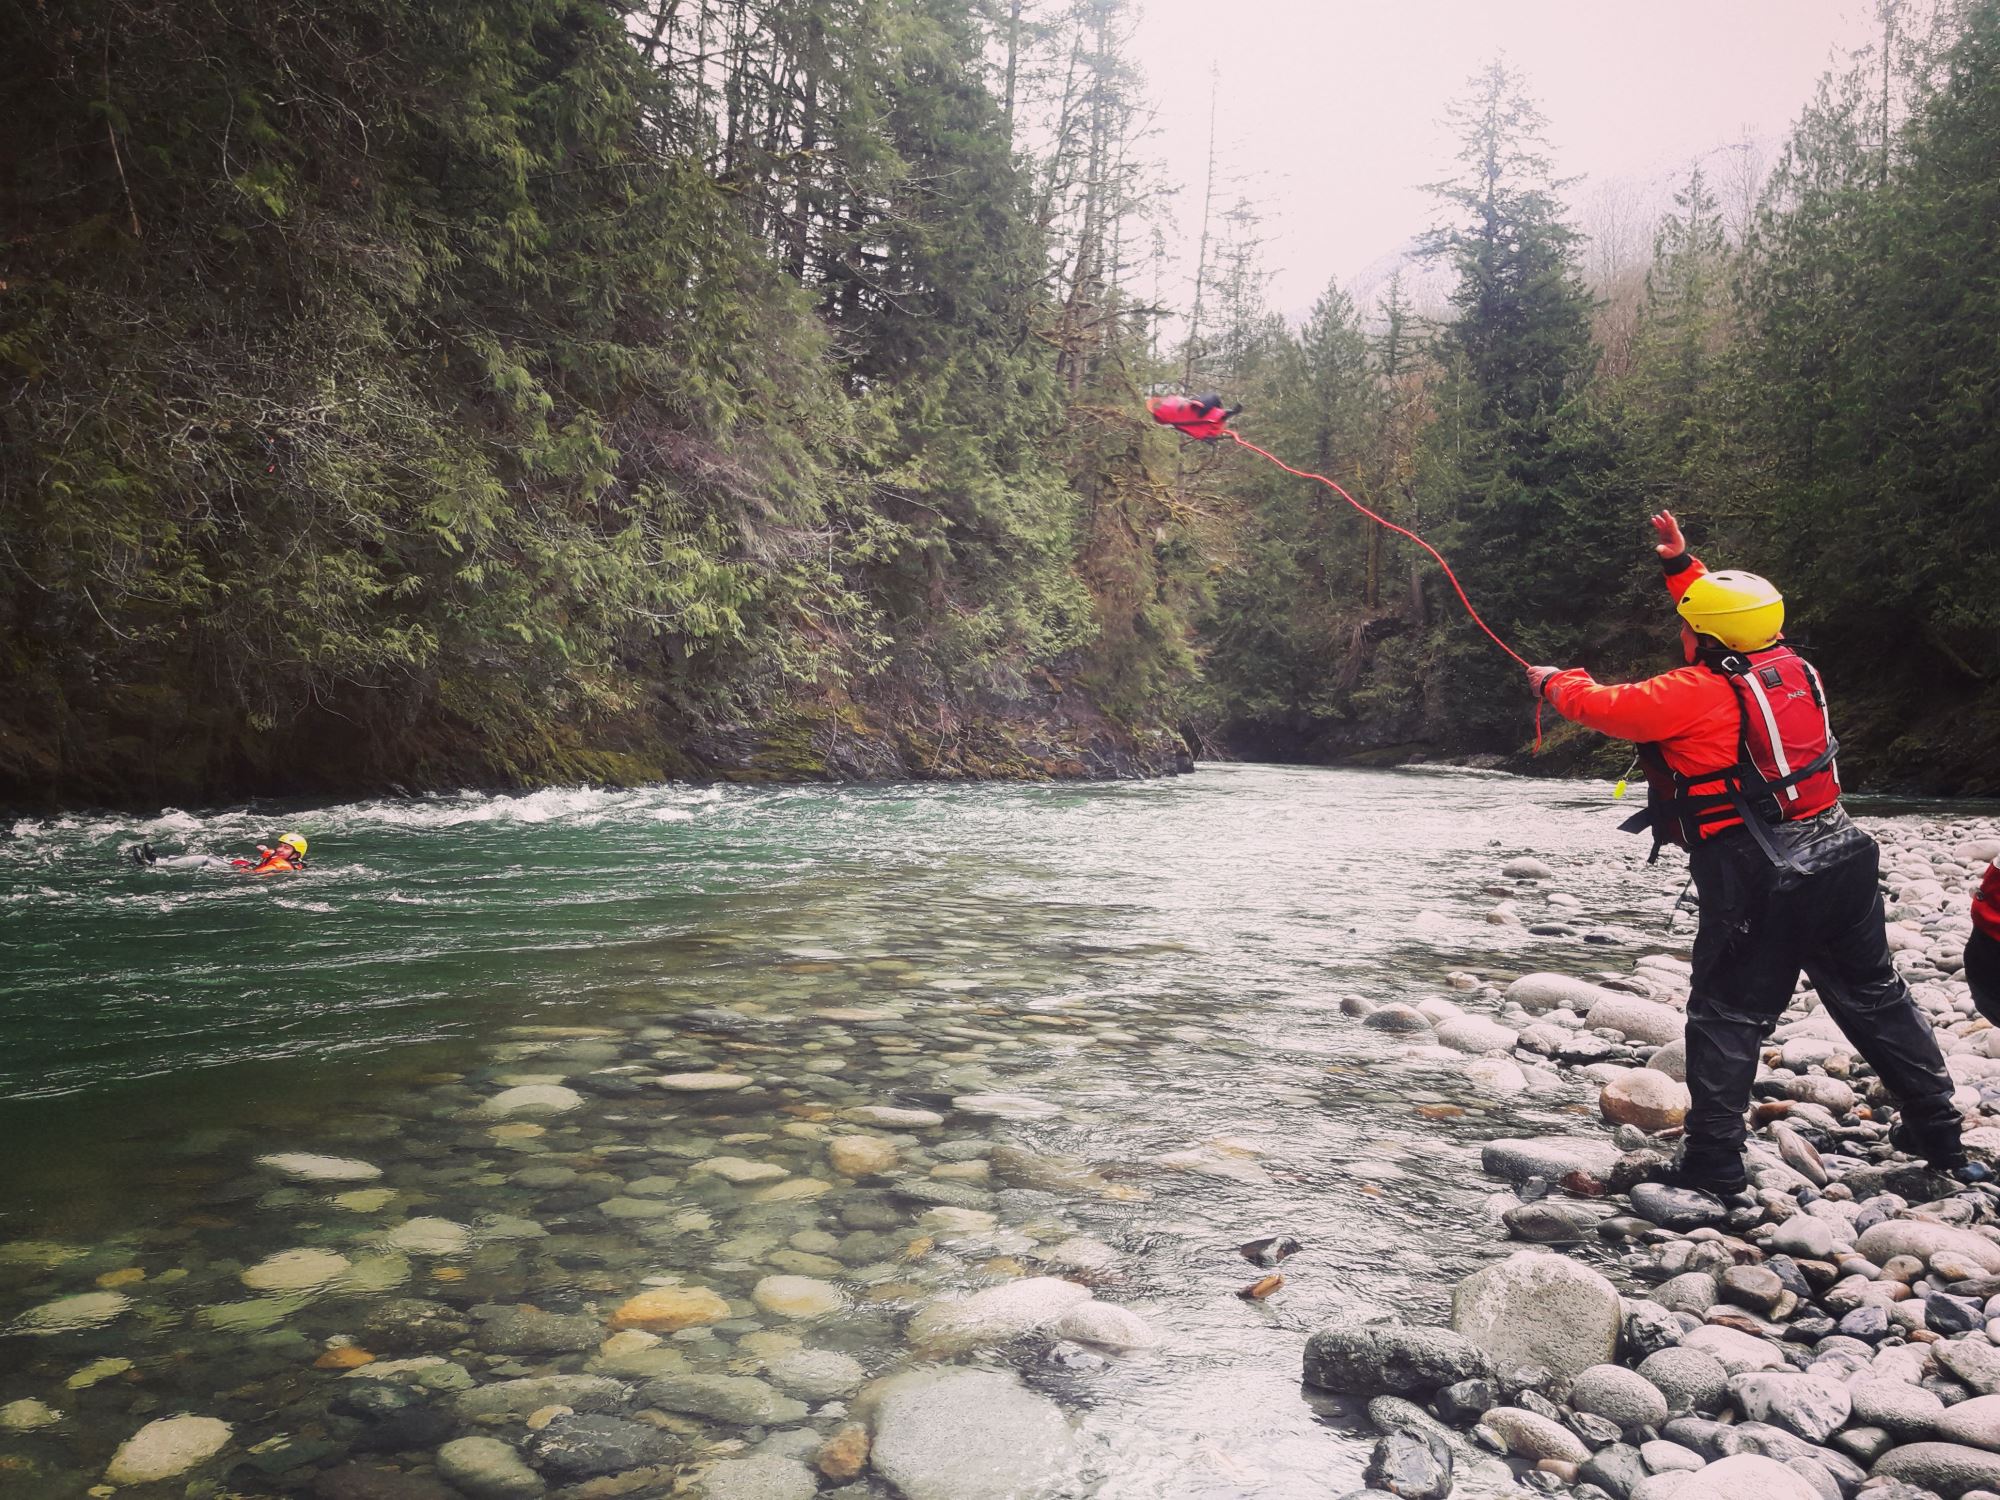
(1331, 109)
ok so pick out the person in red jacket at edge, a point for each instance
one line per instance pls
(1739, 754)
(1982, 949)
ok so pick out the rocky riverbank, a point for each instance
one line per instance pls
(1835, 1333)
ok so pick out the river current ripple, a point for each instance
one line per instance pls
(1156, 967)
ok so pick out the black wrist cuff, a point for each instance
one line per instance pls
(1673, 565)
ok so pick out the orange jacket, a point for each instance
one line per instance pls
(1691, 713)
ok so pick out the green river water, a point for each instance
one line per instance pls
(1148, 973)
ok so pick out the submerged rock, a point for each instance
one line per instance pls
(167, 1448)
(487, 1469)
(995, 1315)
(668, 1309)
(70, 1314)
(963, 1434)
(309, 1168)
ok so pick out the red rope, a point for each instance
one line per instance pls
(1243, 442)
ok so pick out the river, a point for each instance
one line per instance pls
(1147, 975)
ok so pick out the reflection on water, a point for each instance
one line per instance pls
(1153, 969)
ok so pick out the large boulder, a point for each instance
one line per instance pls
(1539, 1309)
(963, 1434)
(1369, 1359)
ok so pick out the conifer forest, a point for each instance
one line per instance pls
(506, 392)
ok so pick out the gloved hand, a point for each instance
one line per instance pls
(1538, 679)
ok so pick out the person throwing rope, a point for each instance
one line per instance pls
(1740, 764)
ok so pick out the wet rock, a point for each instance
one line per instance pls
(1398, 1018)
(761, 1476)
(740, 1171)
(1550, 1222)
(426, 1236)
(817, 1374)
(1364, 1358)
(166, 1448)
(1529, 1435)
(1270, 1250)
(574, 1446)
(27, 1415)
(861, 1155)
(1539, 1309)
(1677, 1208)
(964, 1434)
(487, 1469)
(726, 1398)
(844, 1454)
(1476, 1034)
(1526, 868)
(521, 1329)
(1413, 1465)
(799, 1297)
(70, 1314)
(355, 1481)
(309, 1168)
(702, 1083)
(890, 1117)
(668, 1309)
(401, 1324)
(1553, 1157)
(1646, 1098)
(295, 1270)
(996, 1315)
(1808, 1405)
(1106, 1326)
(518, 1398)
(1637, 1020)
(1622, 1396)
(1538, 994)
(533, 1099)
(1949, 1468)
(1005, 1107)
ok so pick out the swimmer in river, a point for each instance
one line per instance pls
(287, 856)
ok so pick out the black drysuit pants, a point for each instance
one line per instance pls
(1760, 926)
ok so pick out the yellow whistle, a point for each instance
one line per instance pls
(1618, 790)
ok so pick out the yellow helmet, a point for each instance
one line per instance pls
(296, 840)
(1739, 609)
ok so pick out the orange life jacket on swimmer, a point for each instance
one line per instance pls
(1785, 767)
(273, 863)
(1201, 418)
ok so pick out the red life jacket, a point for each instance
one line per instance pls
(1202, 419)
(1785, 766)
